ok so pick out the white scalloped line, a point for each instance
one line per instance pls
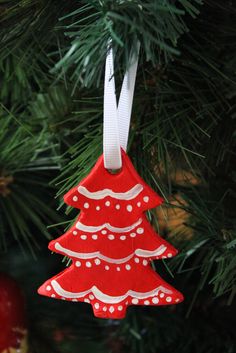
(92, 229)
(101, 194)
(105, 297)
(97, 254)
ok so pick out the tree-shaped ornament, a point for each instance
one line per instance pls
(112, 243)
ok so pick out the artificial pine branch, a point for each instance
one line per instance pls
(23, 182)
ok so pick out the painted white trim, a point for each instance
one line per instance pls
(148, 253)
(92, 229)
(105, 298)
(97, 254)
(101, 194)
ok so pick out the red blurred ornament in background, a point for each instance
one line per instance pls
(13, 332)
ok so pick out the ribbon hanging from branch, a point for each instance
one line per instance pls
(116, 120)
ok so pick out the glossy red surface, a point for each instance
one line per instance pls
(111, 245)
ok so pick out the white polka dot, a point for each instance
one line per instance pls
(83, 237)
(74, 232)
(86, 300)
(146, 199)
(53, 296)
(91, 296)
(75, 198)
(168, 299)
(162, 295)
(107, 203)
(96, 305)
(129, 208)
(133, 235)
(48, 288)
(164, 257)
(78, 264)
(123, 237)
(126, 303)
(104, 231)
(118, 268)
(146, 302)
(120, 307)
(111, 236)
(104, 308)
(94, 236)
(177, 300)
(111, 309)
(138, 204)
(169, 255)
(74, 300)
(140, 230)
(98, 208)
(155, 300)
(117, 206)
(136, 260)
(97, 262)
(107, 268)
(86, 205)
(88, 264)
(128, 267)
(134, 301)
(145, 262)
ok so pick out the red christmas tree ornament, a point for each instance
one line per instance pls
(112, 243)
(13, 333)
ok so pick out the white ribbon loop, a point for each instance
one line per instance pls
(116, 121)
(111, 142)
